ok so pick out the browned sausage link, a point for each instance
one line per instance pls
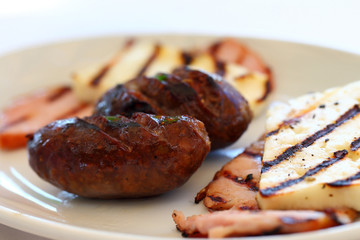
(119, 157)
(122, 101)
(223, 110)
(219, 106)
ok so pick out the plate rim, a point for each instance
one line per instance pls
(172, 35)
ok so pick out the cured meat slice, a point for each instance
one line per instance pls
(237, 183)
(235, 223)
(26, 115)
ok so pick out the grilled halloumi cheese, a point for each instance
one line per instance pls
(147, 58)
(312, 152)
(134, 59)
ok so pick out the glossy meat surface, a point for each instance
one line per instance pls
(119, 157)
(236, 184)
(225, 113)
(122, 101)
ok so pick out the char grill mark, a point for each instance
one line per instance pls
(73, 111)
(285, 123)
(268, 86)
(97, 79)
(311, 139)
(355, 145)
(58, 93)
(220, 67)
(103, 71)
(338, 155)
(186, 58)
(217, 199)
(272, 132)
(15, 122)
(345, 182)
(252, 154)
(295, 119)
(152, 58)
(268, 90)
(213, 49)
(201, 195)
(251, 185)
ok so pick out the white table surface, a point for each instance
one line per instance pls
(333, 24)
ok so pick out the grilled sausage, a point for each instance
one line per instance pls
(119, 157)
(122, 101)
(225, 113)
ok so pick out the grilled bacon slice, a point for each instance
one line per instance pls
(237, 183)
(26, 115)
(235, 223)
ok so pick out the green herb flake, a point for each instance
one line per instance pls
(164, 120)
(161, 77)
(169, 120)
(112, 118)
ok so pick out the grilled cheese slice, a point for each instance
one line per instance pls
(147, 58)
(312, 156)
(134, 59)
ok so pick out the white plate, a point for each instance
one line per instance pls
(32, 205)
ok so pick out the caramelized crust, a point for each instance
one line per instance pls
(119, 157)
(237, 183)
(223, 110)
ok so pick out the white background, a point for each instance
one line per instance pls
(334, 24)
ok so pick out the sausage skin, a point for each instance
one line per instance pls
(119, 157)
(207, 97)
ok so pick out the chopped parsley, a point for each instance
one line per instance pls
(112, 118)
(167, 119)
(161, 77)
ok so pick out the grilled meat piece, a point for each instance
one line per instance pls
(235, 223)
(225, 113)
(119, 157)
(122, 101)
(27, 114)
(237, 183)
